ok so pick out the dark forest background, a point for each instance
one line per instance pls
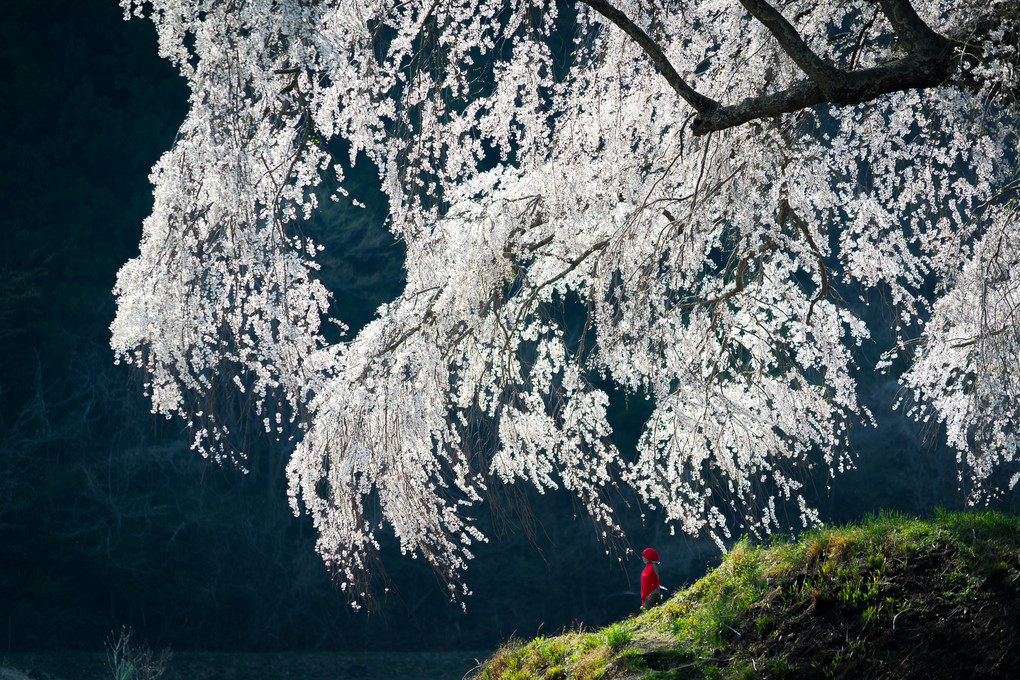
(108, 519)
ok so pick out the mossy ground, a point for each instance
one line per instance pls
(892, 597)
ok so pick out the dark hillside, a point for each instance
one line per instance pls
(891, 598)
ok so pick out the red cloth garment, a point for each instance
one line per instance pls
(649, 581)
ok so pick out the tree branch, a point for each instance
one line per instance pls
(699, 101)
(928, 62)
(738, 278)
(785, 211)
(819, 70)
(800, 96)
(571, 266)
(909, 27)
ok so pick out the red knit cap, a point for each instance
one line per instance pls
(650, 555)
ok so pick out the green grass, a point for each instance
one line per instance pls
(617, 636)
(785, 609)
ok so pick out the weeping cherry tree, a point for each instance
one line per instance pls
(671, 198)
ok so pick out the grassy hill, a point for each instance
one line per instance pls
(894, 597)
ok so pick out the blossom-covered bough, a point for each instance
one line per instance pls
(666, 196)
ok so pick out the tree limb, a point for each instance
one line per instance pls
(787, 211)
(818, 69)
(928, 62)
(738, 278)
(699, 101)
(910, 28)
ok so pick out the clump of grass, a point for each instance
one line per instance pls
(779, 667)
(556, 672)
(617, 636)
(766, 624)
(504, 661)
